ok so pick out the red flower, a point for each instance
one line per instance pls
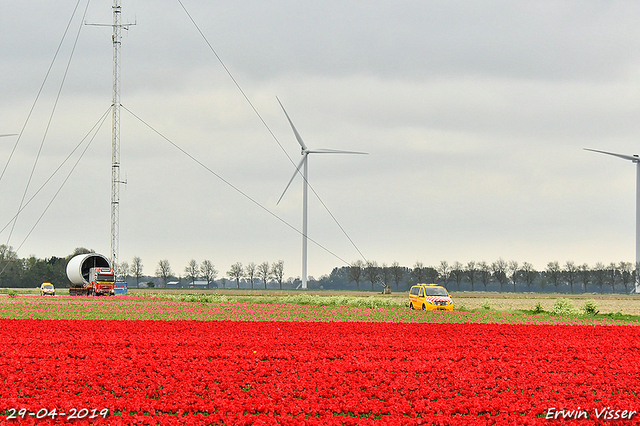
(199, 373)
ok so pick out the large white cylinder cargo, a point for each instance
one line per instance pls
(79, 266)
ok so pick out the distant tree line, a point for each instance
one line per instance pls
(30, 271)
(500, 275)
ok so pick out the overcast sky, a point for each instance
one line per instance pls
(474, 115)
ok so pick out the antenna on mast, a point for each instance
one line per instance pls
(115, 130)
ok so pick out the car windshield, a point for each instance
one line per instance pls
(47, 286)
(436, 292)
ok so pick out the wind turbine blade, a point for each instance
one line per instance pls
(295, 132)
(625, 157)
(334, 151)
(304, 157)
(10, 134)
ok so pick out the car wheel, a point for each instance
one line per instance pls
(424, 307)
(411, 306)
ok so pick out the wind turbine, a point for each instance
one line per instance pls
(10, 134)
(305, 186)
(635, 159)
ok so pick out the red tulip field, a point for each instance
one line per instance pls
(234, 372)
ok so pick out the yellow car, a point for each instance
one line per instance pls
(430, 297)
(47, 289)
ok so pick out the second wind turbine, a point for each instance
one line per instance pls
(636, 160)
(305, 186)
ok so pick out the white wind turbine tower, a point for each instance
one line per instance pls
(635, 159)
(305, 186)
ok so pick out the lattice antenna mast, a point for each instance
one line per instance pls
(115, 131)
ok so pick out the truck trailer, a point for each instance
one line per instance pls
(90, 275)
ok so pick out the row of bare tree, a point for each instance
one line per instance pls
(207, 272)
(193, 271)
(263, 271)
